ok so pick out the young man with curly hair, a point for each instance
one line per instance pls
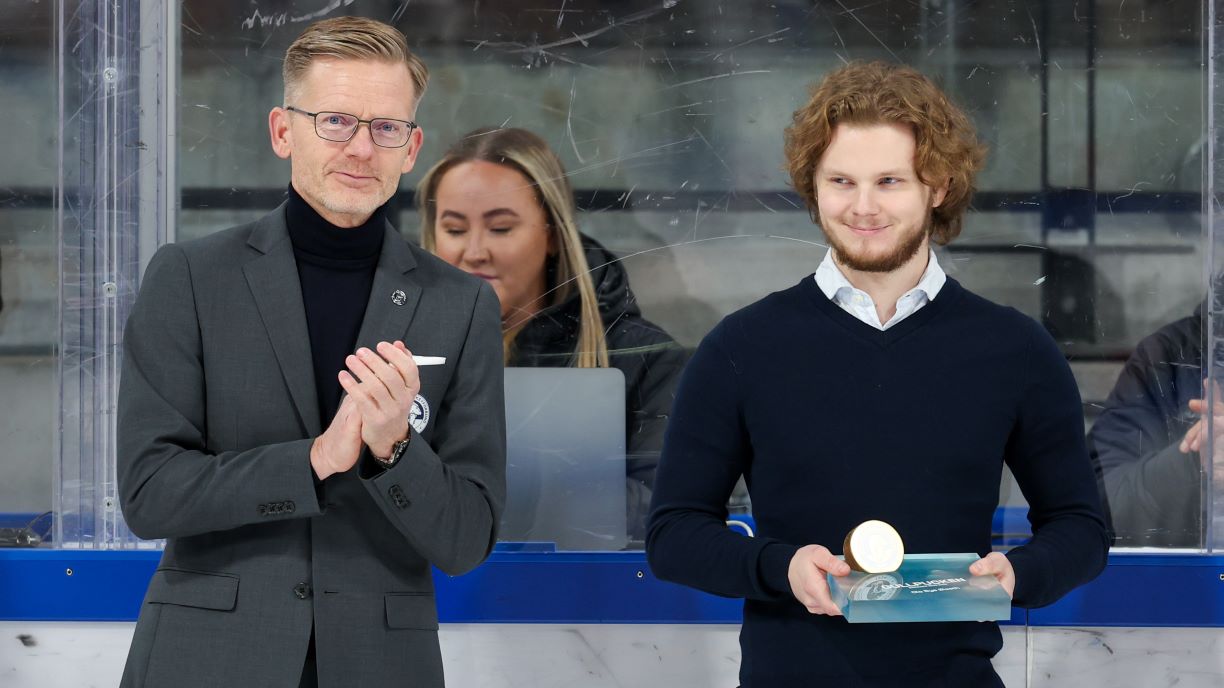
(877, 388)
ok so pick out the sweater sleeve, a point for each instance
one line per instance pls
(705, 451)
(1047, 455)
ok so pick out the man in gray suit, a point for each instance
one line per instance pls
(274, 426)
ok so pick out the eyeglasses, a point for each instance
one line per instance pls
(340, 127)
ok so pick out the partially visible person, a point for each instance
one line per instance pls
(499, 205)
(1149, 444)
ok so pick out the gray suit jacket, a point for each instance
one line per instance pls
(217, 412)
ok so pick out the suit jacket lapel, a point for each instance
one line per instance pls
(393, 296)
(274, 283)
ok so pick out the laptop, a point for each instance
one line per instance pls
(565, 458)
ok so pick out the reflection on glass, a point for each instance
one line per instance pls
(565, 458)
(29, 269)
(1148, 443)
(499, 206)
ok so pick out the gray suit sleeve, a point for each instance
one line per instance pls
(169, 484)
(447, 498)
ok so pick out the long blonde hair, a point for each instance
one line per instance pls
(530, 155)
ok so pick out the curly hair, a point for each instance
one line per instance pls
(947, 150)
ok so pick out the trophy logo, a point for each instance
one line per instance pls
(876, 587)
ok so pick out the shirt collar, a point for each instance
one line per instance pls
(831, 279)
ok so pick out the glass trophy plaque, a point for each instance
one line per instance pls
(927, 587)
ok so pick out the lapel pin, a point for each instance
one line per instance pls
(398, 297)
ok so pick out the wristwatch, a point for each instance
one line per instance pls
(397, 450)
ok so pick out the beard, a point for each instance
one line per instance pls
(358, 206)
(336, 202)
(907, 247)
(346, 201)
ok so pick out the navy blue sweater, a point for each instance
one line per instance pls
(832, 423)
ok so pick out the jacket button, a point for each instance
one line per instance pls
(302, 591)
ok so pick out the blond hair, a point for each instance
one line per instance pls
(947, 152)
(350, 38)
(530, 155)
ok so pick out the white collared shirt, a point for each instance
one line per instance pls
(858, 303)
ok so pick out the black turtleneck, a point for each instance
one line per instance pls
(336, 269)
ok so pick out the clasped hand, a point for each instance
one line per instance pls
(380, 387)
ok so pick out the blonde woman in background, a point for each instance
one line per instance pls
(499, 206)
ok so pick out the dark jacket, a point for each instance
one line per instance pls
(1152, 489)
(217, 415)
(650, 359)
